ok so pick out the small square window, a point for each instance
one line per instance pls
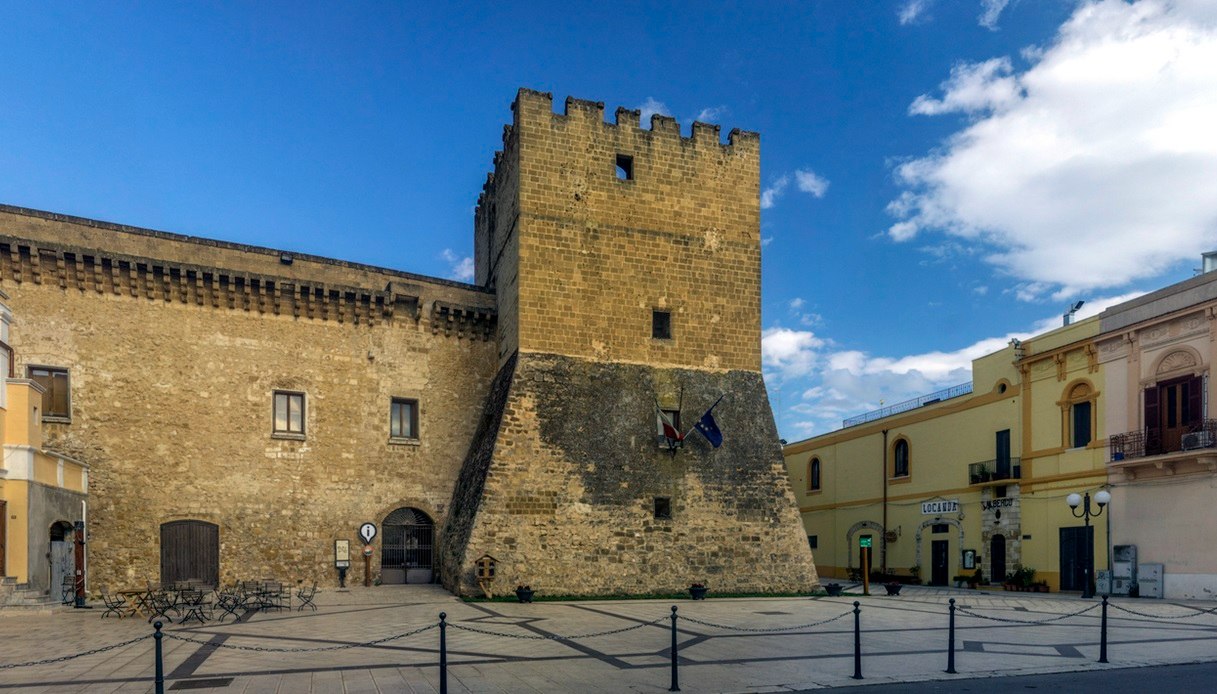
(661, 325)
(625, 167)
(939, 528)
(663, 508)
(814, 541)
(56, 400)
(289, 413)
(403, 419)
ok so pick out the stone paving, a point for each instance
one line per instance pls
(724, 645)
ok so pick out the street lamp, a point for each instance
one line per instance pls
(1102, 498)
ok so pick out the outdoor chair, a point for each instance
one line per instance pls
(160, 602)
(115, 604)
(230, 601)
(67, 590)
(194, 605)
(306, 596)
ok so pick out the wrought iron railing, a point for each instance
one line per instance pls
(944, 394)
(1147, 442)
(995, 470)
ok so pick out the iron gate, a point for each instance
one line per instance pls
(407, 547)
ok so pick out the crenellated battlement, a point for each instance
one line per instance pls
(535, 104)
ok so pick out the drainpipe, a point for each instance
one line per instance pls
(883, 539)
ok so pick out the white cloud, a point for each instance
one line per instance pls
(796, 304)
(770, 195)
(911, 11)
(711, 114)
(810, 182)
(651, 107)
(1069, 167)
(972, 87)
(990, 12)
(837, 384)
(462, 267)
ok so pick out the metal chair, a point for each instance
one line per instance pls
(67, 591)
(306, 596)
(115, 604)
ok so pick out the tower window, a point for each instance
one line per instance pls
(661, 325)
(663, 508)
(625, 167)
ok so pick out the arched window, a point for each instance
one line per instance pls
(1078, 415)
(813, 475)
(900, 458)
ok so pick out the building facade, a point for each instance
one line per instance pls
(971, 479)
(241, 410)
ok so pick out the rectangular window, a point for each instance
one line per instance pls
(1081, 424)
(814, 541)
(661, 325)
(625, 167)
(663, 508)
(289, 413)
(667, 426)
(403, 419)
(56, 403)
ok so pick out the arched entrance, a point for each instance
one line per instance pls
(997, 558)
(407, 548)
(63, 560)
(190, 551)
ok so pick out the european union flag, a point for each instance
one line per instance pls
(709, 428)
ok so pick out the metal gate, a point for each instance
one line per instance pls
(190, 551)
(407, 550)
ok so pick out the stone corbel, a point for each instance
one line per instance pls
(1167, 467)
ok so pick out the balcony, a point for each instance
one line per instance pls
(1155, 453)
(991, 471)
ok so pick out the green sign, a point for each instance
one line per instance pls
(864, 542)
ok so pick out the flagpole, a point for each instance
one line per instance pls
(720, 399)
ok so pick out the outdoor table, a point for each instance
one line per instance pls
(139, 599)
(194, 604)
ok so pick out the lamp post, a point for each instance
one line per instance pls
(1075, 501)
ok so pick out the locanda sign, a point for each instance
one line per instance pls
(933, 508)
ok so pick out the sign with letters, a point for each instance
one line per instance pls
(1004, 502)
(934, 508)
(342, 554)
(864, 542)
(367, 533)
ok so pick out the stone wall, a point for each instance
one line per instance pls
(568, 501)
(173, 365)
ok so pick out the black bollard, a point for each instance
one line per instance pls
(951, 642)
(857, 640)
(1103, 634)
(160, 663)
(675, 677)
(443, 653)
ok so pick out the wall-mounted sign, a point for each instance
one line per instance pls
(934, 508)
(342, 554)
(367, 532)
(1004, 502)
(969, 559)
(864, 541)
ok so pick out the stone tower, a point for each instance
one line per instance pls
(626, 265)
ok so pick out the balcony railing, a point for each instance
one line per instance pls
(995, 471)
(1147, 442)
(944, 394)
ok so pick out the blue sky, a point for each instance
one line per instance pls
(940, 175)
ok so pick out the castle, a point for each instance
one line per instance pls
(241, 409)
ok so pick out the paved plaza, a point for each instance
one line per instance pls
(386, 639)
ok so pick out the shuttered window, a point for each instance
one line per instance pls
(56, 400)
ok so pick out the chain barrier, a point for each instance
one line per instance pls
(555, 637)
(767, 631)
(1199, 612)
(266, 649)
(1057, 618)
(63, 658)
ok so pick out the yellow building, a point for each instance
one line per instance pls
(970, 479)
(42, 494)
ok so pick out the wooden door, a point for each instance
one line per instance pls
(190, 551)
(997, 559)
(1075, 542)
(1172, 409)
(940, 567)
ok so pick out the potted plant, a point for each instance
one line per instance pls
(961, 579)
(893, 587)
(975, 579)
(833, 589)
(524, 593)
(698, 591)
(983, 474)
(916, 572)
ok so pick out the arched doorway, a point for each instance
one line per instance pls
(190, 551)
(63, 560)
(407, 550)
(997, 559)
